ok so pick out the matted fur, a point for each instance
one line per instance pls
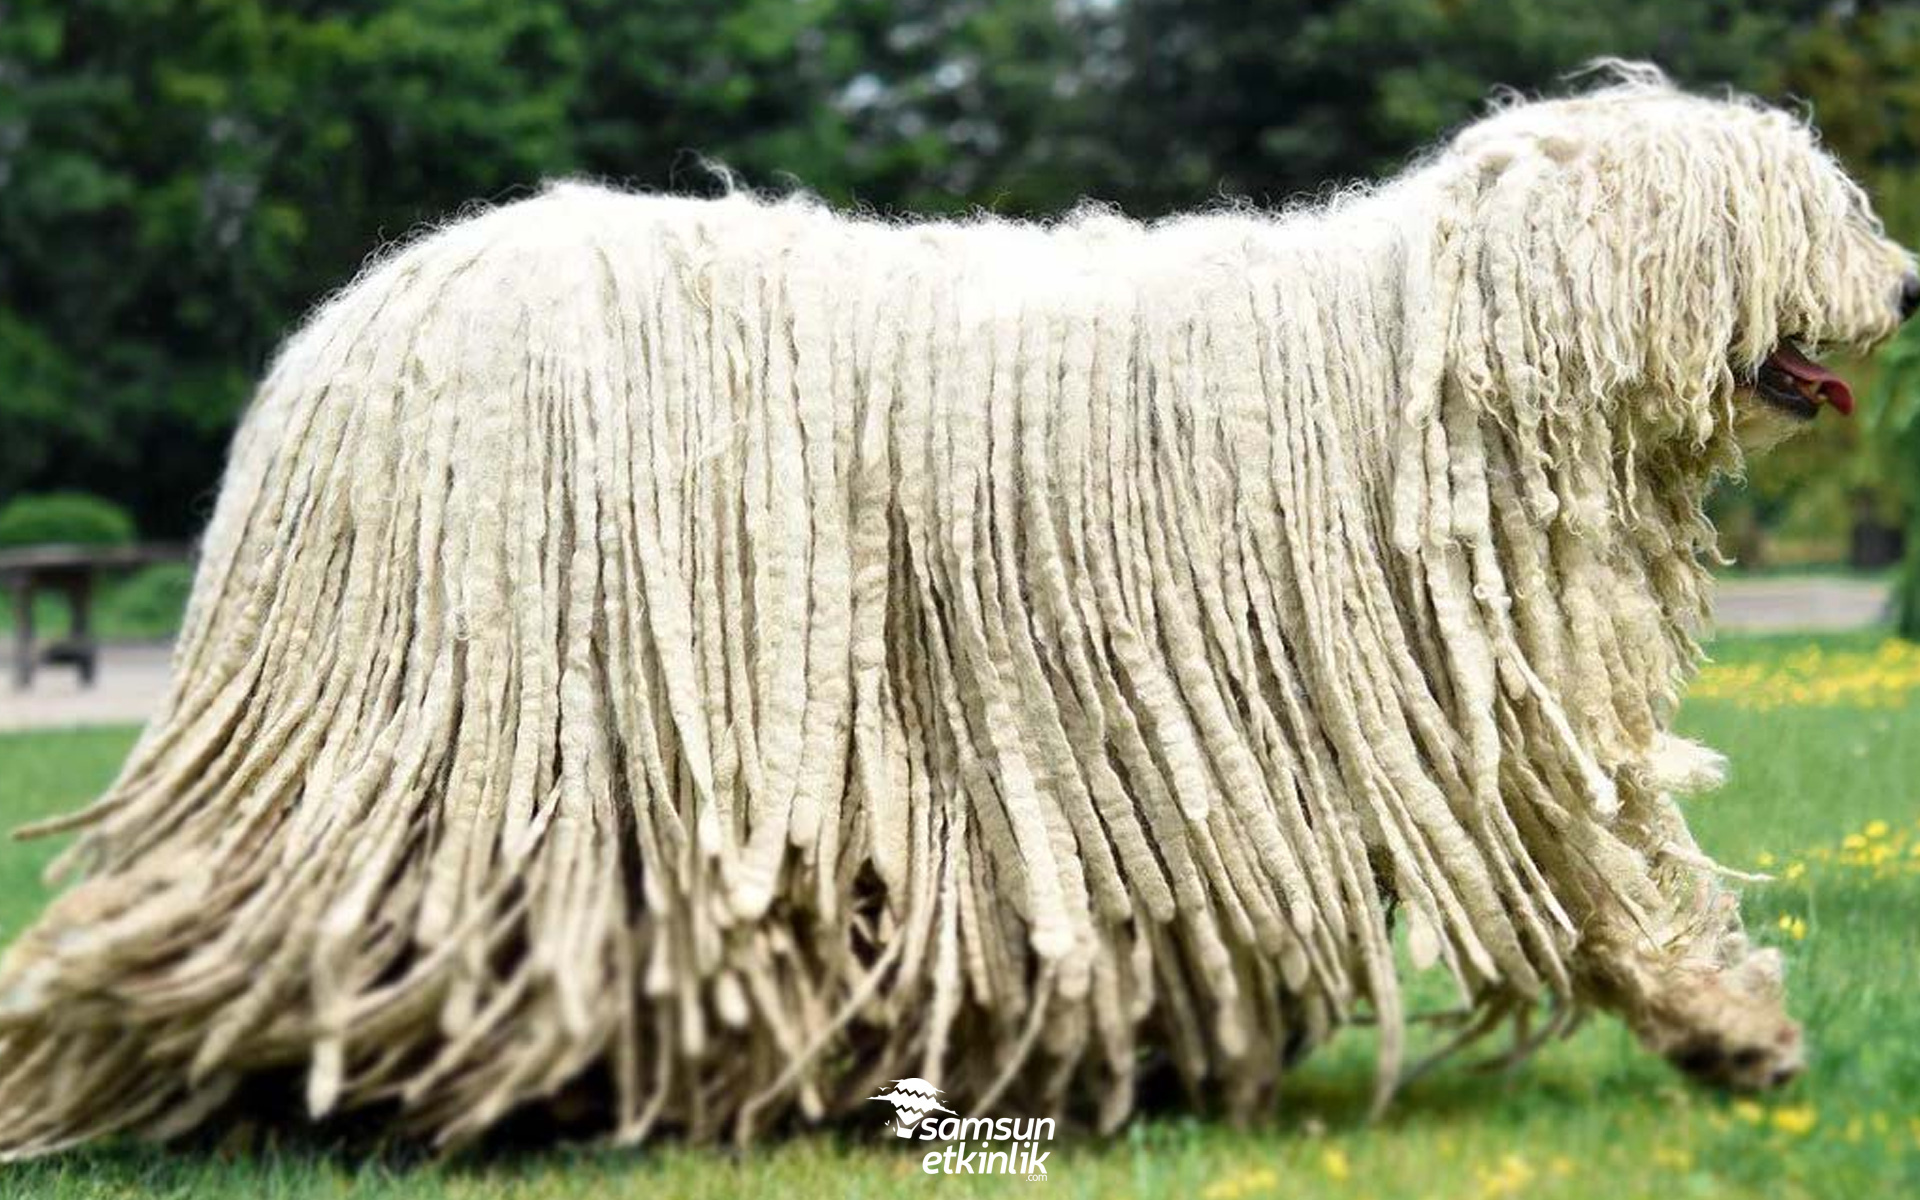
(717, 655)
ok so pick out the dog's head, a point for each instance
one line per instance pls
(1685, 261)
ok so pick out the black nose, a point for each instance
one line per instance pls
(1909, 294)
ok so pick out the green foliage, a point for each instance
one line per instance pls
(1860, 69)
(1896, 403)
(149, 603)
(181, 179)
(1865, 65)
(1213, 97)
(69, 518)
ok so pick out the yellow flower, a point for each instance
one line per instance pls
(1876, 829)
(1793, 927)
(1749, 1112)
(1797, 1121)
(1880, 679)
(1246, 1183)
(1673, 1159)
(1510, 1178)
(1335, 1163)
(1764, 858)
(1795, 870)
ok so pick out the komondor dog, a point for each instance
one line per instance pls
(683, 664)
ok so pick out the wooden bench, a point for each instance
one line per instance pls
(70, 571)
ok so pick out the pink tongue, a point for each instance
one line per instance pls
(1826, 385)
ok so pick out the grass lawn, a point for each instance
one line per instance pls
(1825, 742)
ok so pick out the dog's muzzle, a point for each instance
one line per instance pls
(1797, 385)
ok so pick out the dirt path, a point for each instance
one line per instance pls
(131, 678)
(1803, 604)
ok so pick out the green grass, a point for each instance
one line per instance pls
(1590, 1117)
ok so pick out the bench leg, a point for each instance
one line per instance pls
(23, 633)
(80, 607)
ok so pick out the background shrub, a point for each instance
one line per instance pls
(65, 518)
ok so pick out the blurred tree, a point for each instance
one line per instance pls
(1859, 69)
(928, 105)
(1273, 98)
(1897, 405)
(180, 178)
